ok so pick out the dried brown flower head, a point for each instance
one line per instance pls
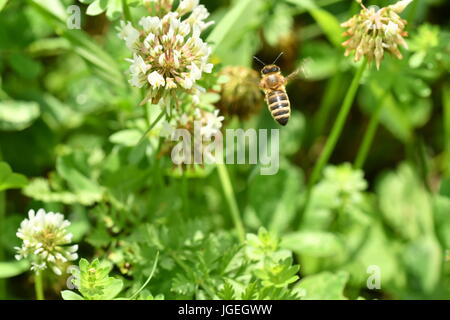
(240, 94)
(375, 30)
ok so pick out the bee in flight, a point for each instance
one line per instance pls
(273, 84)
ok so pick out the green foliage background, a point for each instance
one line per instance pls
(69, 126)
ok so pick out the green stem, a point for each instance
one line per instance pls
(126, 11)
(328, 101)
(2, 223)
(338, 125)
(370, 133)
(446, 119)
(335, 131)
(229, 196)
(185, 192)
(152, 125)
(39, 285)
(368, 139)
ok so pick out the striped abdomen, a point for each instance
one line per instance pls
(279, 106)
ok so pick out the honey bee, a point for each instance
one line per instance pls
(273, 83)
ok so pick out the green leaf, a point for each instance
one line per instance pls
(25, 66)
(17, 115)
(329, 24)
(97, 7)
(227, 24)
(403, 198)
(423, 259)
(10, 180)
(13, 268)
(94, 283)
(324, 286)
(148, 279)
(312, 243)
(104, 65)
(70, 295)
(127, 137)
(272, 198)
(68, 168)
(3, 4)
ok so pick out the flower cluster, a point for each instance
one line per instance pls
(240, 94)
(201, 125)
(374, 30)
(45, 239)
(168, 52)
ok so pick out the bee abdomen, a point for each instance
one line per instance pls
(279, 106)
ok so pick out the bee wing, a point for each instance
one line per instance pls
(302, 71)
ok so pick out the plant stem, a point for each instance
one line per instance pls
(327, 103)
(152, 125)
(126, 11)
(2, 223)
(338, 125)
(446, 119)
(38, 285)
(231, 200)
(369, 135)
(335, 131)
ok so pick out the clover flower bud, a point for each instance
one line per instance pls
(45, 241)
(240, 94)
(375, 30)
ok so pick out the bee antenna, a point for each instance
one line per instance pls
(259, 60)
(281, 53)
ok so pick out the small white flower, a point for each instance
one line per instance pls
(167, 130)
(45, 241)
(213, 124)
(150, 24)
(129, 34)
(187, 6)
(156, 80)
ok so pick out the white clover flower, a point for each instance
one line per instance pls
(202, 126)
(168, 53)
(45, 241)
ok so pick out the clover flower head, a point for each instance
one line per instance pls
(46, 241)
(202, 125)
(375, 30)
(168, 53)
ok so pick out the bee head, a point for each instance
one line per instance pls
(270, 69)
